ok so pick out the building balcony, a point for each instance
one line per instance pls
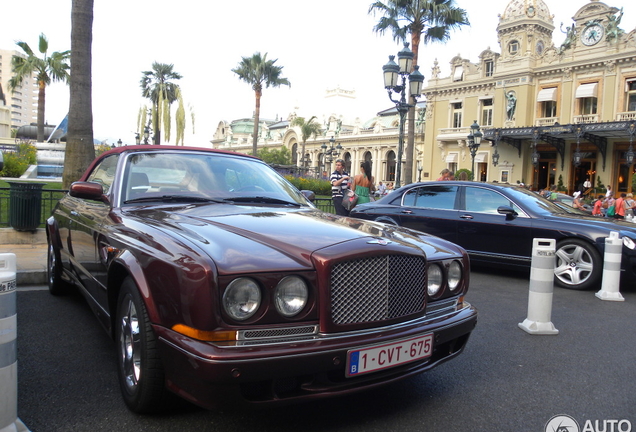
(626, 116)
(547, 121)
(587, 118)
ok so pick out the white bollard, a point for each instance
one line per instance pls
(612, 269)
(541, 289)
(9, 421)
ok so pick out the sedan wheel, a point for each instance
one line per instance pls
(57, 286)
(140, 370)
(578, 265)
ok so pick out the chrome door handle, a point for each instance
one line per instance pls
(466, 216)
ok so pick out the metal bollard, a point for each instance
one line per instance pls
(541, 289)
(9, 421)
(611, 269)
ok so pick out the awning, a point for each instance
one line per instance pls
(481, 157)
(586, 90)
(452, 158)
(458, 74)
(547, 94)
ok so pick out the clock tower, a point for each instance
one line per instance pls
(596, 26)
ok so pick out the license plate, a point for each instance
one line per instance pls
(375, 358)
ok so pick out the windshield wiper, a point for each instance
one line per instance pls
(263, 200)
(175, 198)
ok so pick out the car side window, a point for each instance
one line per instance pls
(485, 201)
(437, 197)
(104, 173)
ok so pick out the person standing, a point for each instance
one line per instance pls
(339, 184)
(598, 204)
(619, 207)
(609, 192)
(629, 205)
(363, 184)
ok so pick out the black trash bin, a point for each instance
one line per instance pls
(25, 205)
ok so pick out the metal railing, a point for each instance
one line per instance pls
(50, 197)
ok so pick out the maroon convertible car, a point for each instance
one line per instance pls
(220, 281)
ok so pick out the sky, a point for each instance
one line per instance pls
(320, 45)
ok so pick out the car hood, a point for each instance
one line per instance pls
(243, 239)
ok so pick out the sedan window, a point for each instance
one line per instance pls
(437, 197)
(485, 200)
(104, 172)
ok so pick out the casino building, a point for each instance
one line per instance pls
(549, 114)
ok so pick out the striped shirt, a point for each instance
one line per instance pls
(336, 191)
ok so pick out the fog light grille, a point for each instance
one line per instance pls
(377, 288)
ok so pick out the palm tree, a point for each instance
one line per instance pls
(80, 150)
(47, 69)
(432, 19)
(156, 86)
(307, 130)
(259, 72)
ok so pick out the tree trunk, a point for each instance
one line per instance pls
(80, 150)
(257, 114)
(41, 107)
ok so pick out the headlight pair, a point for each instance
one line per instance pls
(454, 275)
(243, 298)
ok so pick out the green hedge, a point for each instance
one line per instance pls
(16, 163)
(317, 186)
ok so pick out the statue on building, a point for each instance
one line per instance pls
(265, 131)
(570, 37)
(435, 70)
(421, 115)
(611, 29)
(511, 105)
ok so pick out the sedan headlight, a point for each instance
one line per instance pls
(242, 298)
(628, 242)
(435, 279)
(291, 296)
(454, 275)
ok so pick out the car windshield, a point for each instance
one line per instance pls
(204, 177)
(534, 203)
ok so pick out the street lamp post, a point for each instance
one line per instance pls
(577, 156)
(474, 140)
(330, 153)
(392, 73)
(629, 156)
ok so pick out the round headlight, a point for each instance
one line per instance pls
(435, 279)
(454, 275)
(291, 296)
(242, 299)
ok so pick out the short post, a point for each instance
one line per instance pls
(539, 321)
(9, 421)
(611, 269)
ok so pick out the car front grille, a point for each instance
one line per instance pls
(376, 289)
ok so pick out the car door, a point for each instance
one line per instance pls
(489, 235)
(431, 209)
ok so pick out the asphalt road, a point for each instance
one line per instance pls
(506, 380)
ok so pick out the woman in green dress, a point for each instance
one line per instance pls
(363, 183)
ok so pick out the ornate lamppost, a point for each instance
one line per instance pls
(495, 155)
(392, 73)
(330, 153)
(629, 156)
(419, 171)
(474, 140)
(577, 156)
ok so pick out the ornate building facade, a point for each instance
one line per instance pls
(548, 113)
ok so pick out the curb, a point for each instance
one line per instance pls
(31, 277)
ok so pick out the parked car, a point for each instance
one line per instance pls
(497, 223)
(220, 281)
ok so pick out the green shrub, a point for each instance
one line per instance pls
(16, 163)
(317, 186)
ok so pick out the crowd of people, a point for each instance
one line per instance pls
(363, 184)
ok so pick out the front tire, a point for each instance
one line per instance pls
(141, 375)
(57, 286)
(578, 265)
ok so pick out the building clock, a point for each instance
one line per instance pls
(592, 34)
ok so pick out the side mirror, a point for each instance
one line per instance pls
(508, 211)
(87, 190)
(310, 195)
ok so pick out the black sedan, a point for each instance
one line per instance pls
(496, 224)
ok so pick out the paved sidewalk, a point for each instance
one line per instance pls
(30, 251)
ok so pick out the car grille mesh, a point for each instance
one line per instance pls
(377, 288)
